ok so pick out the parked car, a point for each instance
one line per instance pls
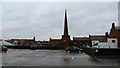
(73, 49)
(3, 49)
(33, 47)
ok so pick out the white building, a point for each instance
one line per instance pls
(6, 43)
(110, 43)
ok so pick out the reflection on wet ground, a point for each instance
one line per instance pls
(16, 57)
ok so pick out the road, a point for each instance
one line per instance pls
(26, 57)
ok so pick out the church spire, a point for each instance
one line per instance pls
(65, 24)
(65, 37)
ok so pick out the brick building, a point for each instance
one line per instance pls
(82, 41)
(55, 42)
(115, 33)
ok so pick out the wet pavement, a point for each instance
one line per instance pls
(26, 57)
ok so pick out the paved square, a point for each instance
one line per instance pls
(26, 57)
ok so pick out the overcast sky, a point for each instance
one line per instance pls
(45, 19)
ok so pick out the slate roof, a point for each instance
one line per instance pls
(97, 37)
(81, 38)
(23, 41)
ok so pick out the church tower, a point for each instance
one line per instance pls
(65, 37)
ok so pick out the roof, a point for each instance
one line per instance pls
(55, 40)
(81, 38)
(118, 28)
(22, 39)
(97, 37)
(43, 41)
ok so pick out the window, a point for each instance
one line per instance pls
(113, 41)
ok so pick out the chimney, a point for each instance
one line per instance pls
(50, 38)
(113, 24)
(89, 35)
(106, 34)
(34, 38)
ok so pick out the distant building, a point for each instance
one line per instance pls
(82, 41)
(111, 40)
(109, 43)
(97, 38)
(22, 42)
(42, 42)
(55, 42)
(115, 33)
(64, 41)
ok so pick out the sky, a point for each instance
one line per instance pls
(46, 19)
